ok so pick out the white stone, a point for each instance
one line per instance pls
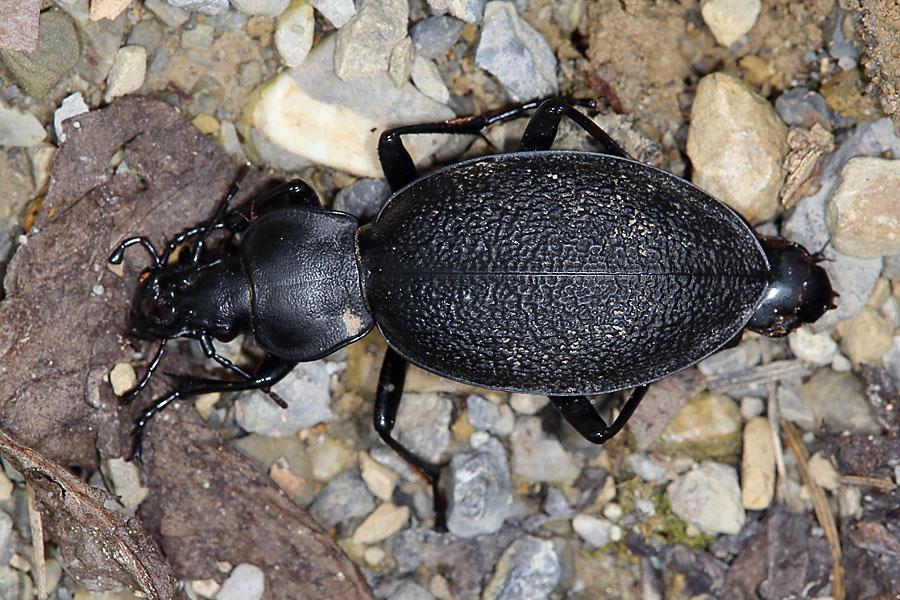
(427, 77)
(245, 582)
(71, 106)
(816, 348)
(730, 20)
(263, 8)
(709, 498)
(336, 11)
(20, 128)
(127, 72)
(594, 530)
(294, 32)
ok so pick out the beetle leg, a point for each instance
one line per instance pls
(130, 396)
(209, 351)
(581, 415)
(387, 402)
(272, 370)
(541, 129)
(396, 162)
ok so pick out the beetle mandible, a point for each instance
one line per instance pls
(545, 272)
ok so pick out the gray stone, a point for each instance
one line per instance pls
(8, 538)
(20, 128)
(207, 7)
(646, 469)
(709, 497)
(538, 457)
(528, 569)
(363, 198)
(470, 11)
(737, 145)
(427, 77)
(147, 33)
(481, 491)
(596, 531)
(126, 481)
(172, 16)
(245, 582)
(200, 37)
(411, 591)
(307, 392)
(365, 43)
(515, 53)
(263, 8)
(336, 11)
(891, 360)
(801, 107)
(434, 36)
(344, 497)
(423, 425)
(401, 61)
(58, 50)
(837, 401)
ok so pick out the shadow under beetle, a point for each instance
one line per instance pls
(545, 272)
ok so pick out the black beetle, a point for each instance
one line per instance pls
(546, 272)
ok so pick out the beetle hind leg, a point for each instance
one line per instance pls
(542, 128)
(387, 402)
(582, 415)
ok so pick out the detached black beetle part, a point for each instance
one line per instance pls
(540, 271)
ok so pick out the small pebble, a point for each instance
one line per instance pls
(20, 128)
(481, 491)
(7, 537)
(206, 123)
(307, 392)
(751, 407)
(730, 20)
(823, 472)
(72, 105)
(470, 11)
(364, 44)
(126, 480)
(427, 77)
(122, 378)
(709, 497)
(205, 588)
(401, 61)
(866, 337)
(380, 479)
(643, 467)
(613, 511)
(207, 7)
(891, 360)
(172, 16)
(515, 53)
(245, 582)
(423, 424)
(433, 37)
(262, 8)
(537, 457)
(708, 426)
(816, 348)
(344, 497)
(6, 486)
(338, 12)
(200, 37)
(863, 214)
(294, 30)
(363, 198)
(529, 563)
(792, 408)
(737, 145)
(757, 465)
(328, 457)
(596, 531)
(837, 401)
(528, 404)
(411, 591)
(373, 556)
(384, 522)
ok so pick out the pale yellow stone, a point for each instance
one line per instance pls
(757, 465)
(385, 521)
(381, 480)
(122, 378)
(823, 472)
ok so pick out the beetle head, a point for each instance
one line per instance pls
(799, 290)
(156, 312)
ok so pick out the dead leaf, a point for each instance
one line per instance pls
(103, 549)
(19, 24)
(138, 167)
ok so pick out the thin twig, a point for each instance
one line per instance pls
(820, 504)
(37, 542)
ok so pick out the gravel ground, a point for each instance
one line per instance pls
(768, 471)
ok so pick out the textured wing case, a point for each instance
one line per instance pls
(559, 272)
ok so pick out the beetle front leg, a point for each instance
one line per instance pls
(387, 403)
(272, 370)
(582, 415)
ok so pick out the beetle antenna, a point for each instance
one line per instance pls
(117, 256)
(819, 256)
